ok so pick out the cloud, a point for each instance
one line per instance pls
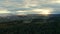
(43, 11)
(21, 12)
(28, 5)
(25, 12)
(55, 1)
(4, 11)
(49, 1)
(56, 7)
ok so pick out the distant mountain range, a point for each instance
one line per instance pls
(11, 17)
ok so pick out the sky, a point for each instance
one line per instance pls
(20, 7)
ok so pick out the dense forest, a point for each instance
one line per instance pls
(31, 25)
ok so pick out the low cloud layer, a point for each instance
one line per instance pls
(13, 6)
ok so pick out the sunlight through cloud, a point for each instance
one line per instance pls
(4, 11)
(21, 12)
(56, 1)
(44, 11)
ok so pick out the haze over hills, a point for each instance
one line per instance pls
(31, 22)
(29, 17)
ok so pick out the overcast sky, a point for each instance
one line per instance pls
(15, 6)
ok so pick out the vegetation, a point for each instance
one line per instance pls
(38, 25)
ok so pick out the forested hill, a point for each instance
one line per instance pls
(31, 24)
